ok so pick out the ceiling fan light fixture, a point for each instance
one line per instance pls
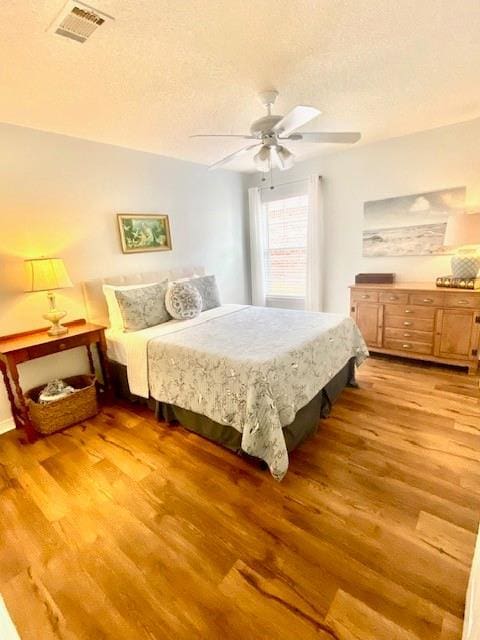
(270, 131)
(286, 158)
(262, 160)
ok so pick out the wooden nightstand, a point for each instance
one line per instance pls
(21, 347)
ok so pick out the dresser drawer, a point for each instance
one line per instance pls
(415, 311)
(398, 297)
(364, 295)
(409, 323)
(408, 346)
(428, 298)
(407, 335)
(465, 300)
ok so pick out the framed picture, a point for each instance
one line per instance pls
(410, 225)
(141, 232)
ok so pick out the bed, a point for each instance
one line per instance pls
(253, 379)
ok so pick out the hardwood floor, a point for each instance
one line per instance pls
(123, 528)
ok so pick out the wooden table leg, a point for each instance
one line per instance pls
(27, 425)
(11, 397)
(90, 358)
(102, 356)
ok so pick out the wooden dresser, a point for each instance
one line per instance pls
(419, 321)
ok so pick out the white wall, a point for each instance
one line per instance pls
(425, 161)
(59, 197)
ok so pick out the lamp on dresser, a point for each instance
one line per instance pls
(49, 274)
(463, 233)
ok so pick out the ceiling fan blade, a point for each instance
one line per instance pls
(345, 137)
(222, 135)
(238, 153)
(296, 118)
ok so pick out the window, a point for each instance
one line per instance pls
(286, 247)
(284, 220)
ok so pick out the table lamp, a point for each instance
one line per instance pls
(463, 233)
(48, 274)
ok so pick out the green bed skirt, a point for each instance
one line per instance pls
(305, 423)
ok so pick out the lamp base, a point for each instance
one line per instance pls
(465, 266)
(57, 329)
(54, 316)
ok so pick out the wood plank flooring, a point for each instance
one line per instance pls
(124, 528)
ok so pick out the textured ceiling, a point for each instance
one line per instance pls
(167, 69)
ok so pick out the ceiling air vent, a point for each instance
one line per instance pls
(78, 21)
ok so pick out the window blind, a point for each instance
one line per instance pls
(286, 219)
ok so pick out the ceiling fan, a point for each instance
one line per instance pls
(272, 131)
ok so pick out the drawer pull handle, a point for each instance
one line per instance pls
(365, 296)
(407, 335)
(393, 298)
(62, 346)
(408, 310)
(406, 346)
(427, 300)
(407, 324)
(462, 301)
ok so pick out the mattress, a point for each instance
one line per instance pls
(122, 345)
(117, 346)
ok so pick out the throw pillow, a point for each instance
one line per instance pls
(183, 301)
(114, 313)
(207, 288)
(143, 307)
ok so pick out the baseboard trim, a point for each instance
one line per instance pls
(6, 425)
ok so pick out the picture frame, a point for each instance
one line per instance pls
(144, 232)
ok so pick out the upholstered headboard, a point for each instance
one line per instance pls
(95, 300)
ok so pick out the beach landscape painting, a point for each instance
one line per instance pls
(410, 225)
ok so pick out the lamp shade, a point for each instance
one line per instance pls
(463, 229)
(46, 274)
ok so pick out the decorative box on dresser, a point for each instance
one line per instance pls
(419, 321)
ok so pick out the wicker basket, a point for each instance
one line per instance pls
(58, 414)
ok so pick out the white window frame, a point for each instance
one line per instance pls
(281, 192)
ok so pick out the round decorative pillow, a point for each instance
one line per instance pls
(183, 301)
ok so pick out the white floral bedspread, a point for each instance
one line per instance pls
(253, 369)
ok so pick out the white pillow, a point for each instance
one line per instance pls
(114, 313)
(185, 278)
